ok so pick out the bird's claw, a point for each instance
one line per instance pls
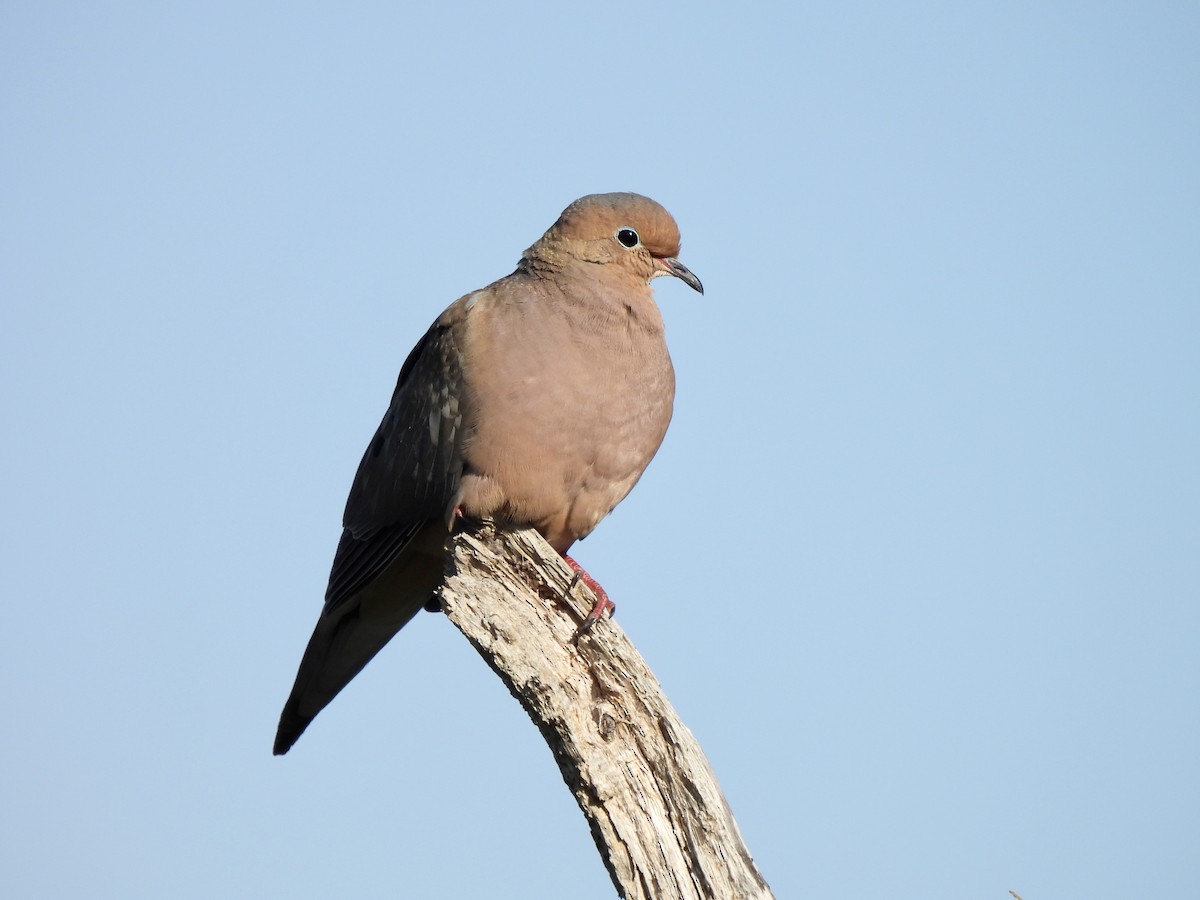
(603, 605)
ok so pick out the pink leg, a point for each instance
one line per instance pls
(603, 604)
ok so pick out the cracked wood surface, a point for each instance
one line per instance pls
(656, 812)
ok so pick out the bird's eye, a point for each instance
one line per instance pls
(628, 237)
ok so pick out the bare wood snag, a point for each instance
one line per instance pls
(655, 809)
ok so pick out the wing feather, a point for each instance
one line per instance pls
(411, 469)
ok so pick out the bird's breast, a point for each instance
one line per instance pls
(565, 409)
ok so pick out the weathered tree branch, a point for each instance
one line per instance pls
(657, 815)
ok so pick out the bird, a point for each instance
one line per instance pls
(535, 402)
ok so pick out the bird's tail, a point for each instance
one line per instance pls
(349, 635)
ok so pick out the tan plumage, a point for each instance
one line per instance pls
(537, 401)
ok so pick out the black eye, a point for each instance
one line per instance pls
(628, 237)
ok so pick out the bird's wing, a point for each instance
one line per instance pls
(411, 469)
(387, 565)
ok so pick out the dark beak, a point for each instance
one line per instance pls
(682, 272)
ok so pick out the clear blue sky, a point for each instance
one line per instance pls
(919, 562)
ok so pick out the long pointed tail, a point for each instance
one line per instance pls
(348, 637)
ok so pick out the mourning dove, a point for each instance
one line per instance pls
(537, 401)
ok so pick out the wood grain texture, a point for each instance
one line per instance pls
(656, 812)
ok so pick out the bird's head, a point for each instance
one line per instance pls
(628, 231)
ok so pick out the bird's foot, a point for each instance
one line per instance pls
(603, 606)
